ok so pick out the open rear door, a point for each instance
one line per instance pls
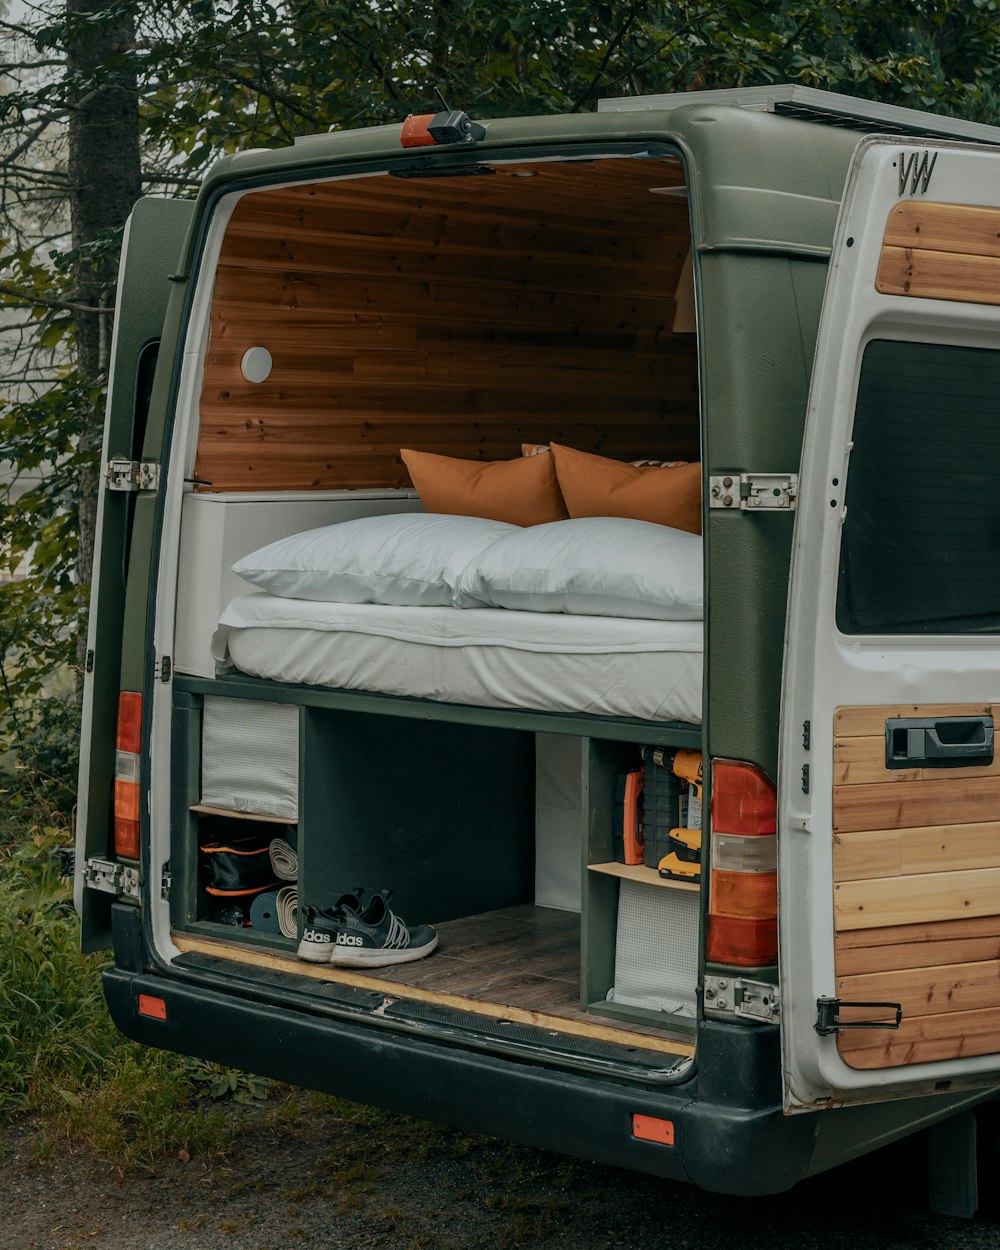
(151, 250)
(889, 789)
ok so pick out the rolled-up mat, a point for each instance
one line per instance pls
(288, 910)
(284, 860)
(264, 913)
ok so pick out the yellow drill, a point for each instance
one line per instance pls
(683, 863)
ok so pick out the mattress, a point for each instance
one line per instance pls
(493, 657)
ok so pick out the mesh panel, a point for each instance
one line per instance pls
(656, 955)
(558, 821)
(250, 757)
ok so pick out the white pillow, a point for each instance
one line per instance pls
(408, 560)
(590, 566)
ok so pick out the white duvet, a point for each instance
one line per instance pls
(494, 657)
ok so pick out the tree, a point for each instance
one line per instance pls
(107, 97)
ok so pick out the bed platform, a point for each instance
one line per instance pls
(496, 658)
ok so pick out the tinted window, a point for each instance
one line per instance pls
(921, 541)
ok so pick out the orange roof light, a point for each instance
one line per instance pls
(421, 130)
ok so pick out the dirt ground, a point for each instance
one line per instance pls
(318, 1175)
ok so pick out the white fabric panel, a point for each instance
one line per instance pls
(558, 820)
(656, 952)
(488, 657)
(250, 757)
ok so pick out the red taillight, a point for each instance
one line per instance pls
(129, 721)
(128, 742)
(743, 905)
(743, 800)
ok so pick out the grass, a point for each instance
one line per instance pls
(61, 1057)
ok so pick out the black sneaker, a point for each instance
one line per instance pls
(378, 938)
(320, 927)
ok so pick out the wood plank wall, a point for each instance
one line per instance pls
(941, 251)
(457, 315)
(916, 856)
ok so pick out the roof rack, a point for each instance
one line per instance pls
(809, 104)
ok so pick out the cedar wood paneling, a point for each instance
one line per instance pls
(916, 895)
(458, 315)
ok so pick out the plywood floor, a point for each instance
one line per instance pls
(523, 957)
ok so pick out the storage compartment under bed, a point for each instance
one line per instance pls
(499, 836)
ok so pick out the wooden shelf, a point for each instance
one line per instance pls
(639, 872)
(204, 810)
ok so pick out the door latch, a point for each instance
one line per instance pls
(756, 1000)
(828, 1019)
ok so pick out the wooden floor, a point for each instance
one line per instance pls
(523, 957)
(521, 961)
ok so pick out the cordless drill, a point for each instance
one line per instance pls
(683, 863)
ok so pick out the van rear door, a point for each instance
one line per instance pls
(151, 249)
(889, 787)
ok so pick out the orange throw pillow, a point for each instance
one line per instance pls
(522, 491)
(596, 486)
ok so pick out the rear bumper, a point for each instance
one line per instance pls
(729, 1133)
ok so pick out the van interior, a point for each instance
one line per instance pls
(526, 302)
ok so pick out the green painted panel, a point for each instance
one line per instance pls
(761, 317)
(156, 233)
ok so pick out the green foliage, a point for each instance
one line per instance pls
(61, 1056)
(54, 1028)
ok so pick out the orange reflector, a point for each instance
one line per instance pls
(155, 1008)
(649, 1128)
(415, 133)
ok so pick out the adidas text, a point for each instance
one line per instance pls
(315, 935)
(348, 939)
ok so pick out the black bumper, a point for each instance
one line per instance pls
(729, 1133)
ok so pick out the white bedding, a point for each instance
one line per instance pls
(494, 657)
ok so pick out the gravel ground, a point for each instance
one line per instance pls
(320, 1176)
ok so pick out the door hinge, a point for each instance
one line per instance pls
(749, 492)
(165, 882)
(89, 664)
(133, 475)
(754, 1000)
(111, 878)
(166, 668)
(828, 1016)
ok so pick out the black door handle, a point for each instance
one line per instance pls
(938, 742)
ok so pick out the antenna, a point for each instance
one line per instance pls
(441, 100)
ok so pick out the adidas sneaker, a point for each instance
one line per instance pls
(378, 938)
(321, 926)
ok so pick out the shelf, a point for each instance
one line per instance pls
(639, 872)
(204, 810)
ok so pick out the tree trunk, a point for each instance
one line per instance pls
(105, 182)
